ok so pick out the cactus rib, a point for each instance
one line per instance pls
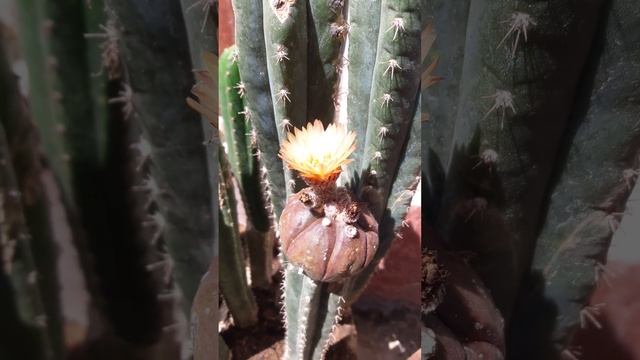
(233, 281)
(285, 32)
(505, 105)
(253, 60)
(596, 175)
(155, 54)
(327, 30)
(245, 165)
(364, 20)
(393, 100)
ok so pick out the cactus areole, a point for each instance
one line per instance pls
(322, 229)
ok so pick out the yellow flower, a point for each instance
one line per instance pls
(318, 154)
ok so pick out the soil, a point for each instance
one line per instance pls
(265, 341)
(265, 338)
(386, 330)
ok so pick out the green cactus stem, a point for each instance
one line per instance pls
(402, 191)
(21, 135)
(441, 102)
(22, 299)
(596, 174)
(285, 34)
(252, 59)
(393, 130)
(246, 168)
(327, 31)
(44, 99)
(233, 280)
(58, 62)
(364, 21)
(392, 103)
(156, 57)
(515, 97)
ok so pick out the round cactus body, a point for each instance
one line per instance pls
(327, 234)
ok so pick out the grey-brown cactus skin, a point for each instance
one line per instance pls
(327, 248)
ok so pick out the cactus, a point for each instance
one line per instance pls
(48, 115)
(300, 74)
(238, 160)
(175, 137)
(242, 155)
(22, 297)
(515, 172)
(27, 245)
(233, 280)
(128, 163)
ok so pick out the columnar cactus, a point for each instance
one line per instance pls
(297, 65)
(515, 172)
(233, 277)
(23, 310)
(137, 190)
(184, 219)
(242, 152)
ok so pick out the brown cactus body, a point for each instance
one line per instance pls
(327, 234)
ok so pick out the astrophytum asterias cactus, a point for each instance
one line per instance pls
(322, 229)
